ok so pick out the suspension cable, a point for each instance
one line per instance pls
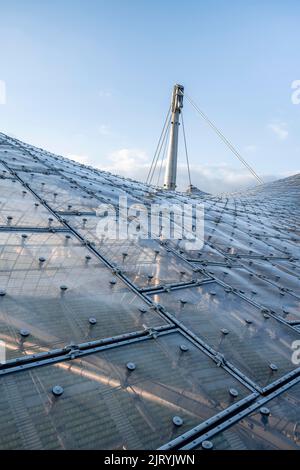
(163, 155)
(164, 139)
(158, 145)
(224, 139)
(186, 151)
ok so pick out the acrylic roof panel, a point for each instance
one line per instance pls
(53, 286)
(275, 428)
(243, 334)
(107, 406)
(154, 345)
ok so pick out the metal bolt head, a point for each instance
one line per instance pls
(143, 310)
(2, 293)
(92, 321)
(113, 282)
(63, 288)
(184, 348)
(131, 366)
(177, 421)
(233, 392)
(57, 390)
(265, 411)
(224, 331)
(207, 445)
(24, 333)
(42, 260)
(273, 367)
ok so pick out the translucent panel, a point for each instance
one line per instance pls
(277, 299)
(18, 208)
(61, 194)
(238, 242)
(16, 159)
(106, 406)
(145, 262)
(246, 337)
(280, 430)
(53, 288)
(272, 271)
(205, 255)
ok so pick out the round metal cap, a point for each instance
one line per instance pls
(92, 321)
(24, 333)
(57, 390)
(233, 392)
(131, 366)
(184, 348)
(207, 445)
(177, 421)
(63, 288)
(2, 293)
(265, 411)
(273, 367)
(224, 331)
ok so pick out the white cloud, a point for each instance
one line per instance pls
(134, 163)
(279, 129)
(79, 158)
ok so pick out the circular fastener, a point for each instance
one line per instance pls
(24, 236)
(265, 411)
(143, 310)
(113, 282)
(57, 390)
(212, 292)
(266, 316)
(42, 260)
(233, 392)
(248, 321)
(24, 333)
(273, 367)
(92, 321)
(183, 301)
(88, 257)
(177, 421)
(207, 445)
(184, 348)
(2, 293)
(63, 288)
(131, 366)
(68, 237)
(224, 331)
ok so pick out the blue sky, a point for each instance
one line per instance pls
(92, 79)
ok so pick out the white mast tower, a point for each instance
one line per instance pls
(171, 168)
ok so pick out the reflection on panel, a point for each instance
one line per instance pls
(145, 262)
(54, 292)
(131, 397)
(274, 427)
(254, 342)
(278, 299)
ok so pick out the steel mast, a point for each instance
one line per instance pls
(171, 168)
